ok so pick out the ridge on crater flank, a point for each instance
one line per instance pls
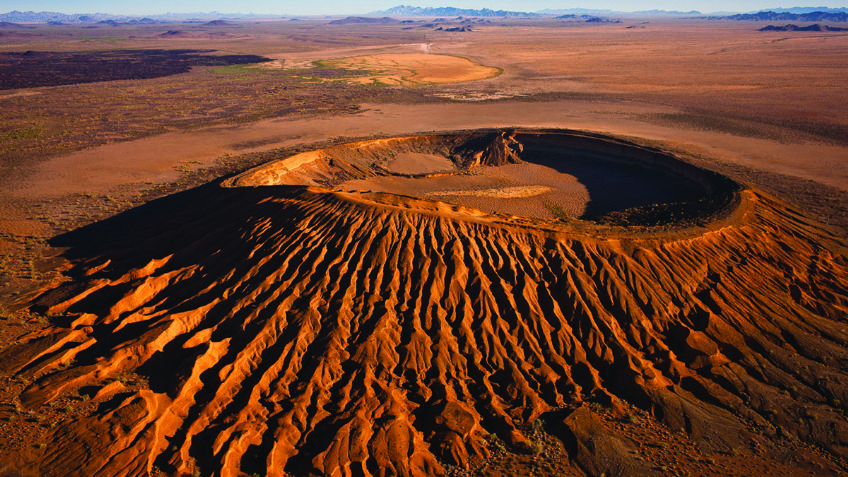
(293, 330)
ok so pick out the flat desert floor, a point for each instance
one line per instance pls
(107, 146)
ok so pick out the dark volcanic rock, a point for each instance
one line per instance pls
(786, 16)
(12, 25)
(44, 68)
(791, 27)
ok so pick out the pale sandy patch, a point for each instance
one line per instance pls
(419, 163)
(517, 192)
(404, 69)
(19, 94)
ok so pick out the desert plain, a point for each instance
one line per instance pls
(454, 247)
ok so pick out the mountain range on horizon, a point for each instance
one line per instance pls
(816, 16)
(789, 14)
(410, 11)
(59, 17)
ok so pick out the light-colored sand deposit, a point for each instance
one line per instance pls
(405, 69)
(518, 192)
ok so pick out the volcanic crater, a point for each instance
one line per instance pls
(545, 174)
(290, 322)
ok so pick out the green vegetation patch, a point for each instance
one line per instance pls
(109, 39)
(248, 69)
(21, 134)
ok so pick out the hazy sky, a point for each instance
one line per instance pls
(339, 7)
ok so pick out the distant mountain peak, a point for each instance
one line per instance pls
(817, 16)
(807, 10)
(411, 11)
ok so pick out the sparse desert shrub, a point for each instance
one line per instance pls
(495, 443)
(535, 447)
(539, 425)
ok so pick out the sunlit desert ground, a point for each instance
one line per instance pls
(539, 247)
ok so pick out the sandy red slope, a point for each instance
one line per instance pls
(289, 329)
